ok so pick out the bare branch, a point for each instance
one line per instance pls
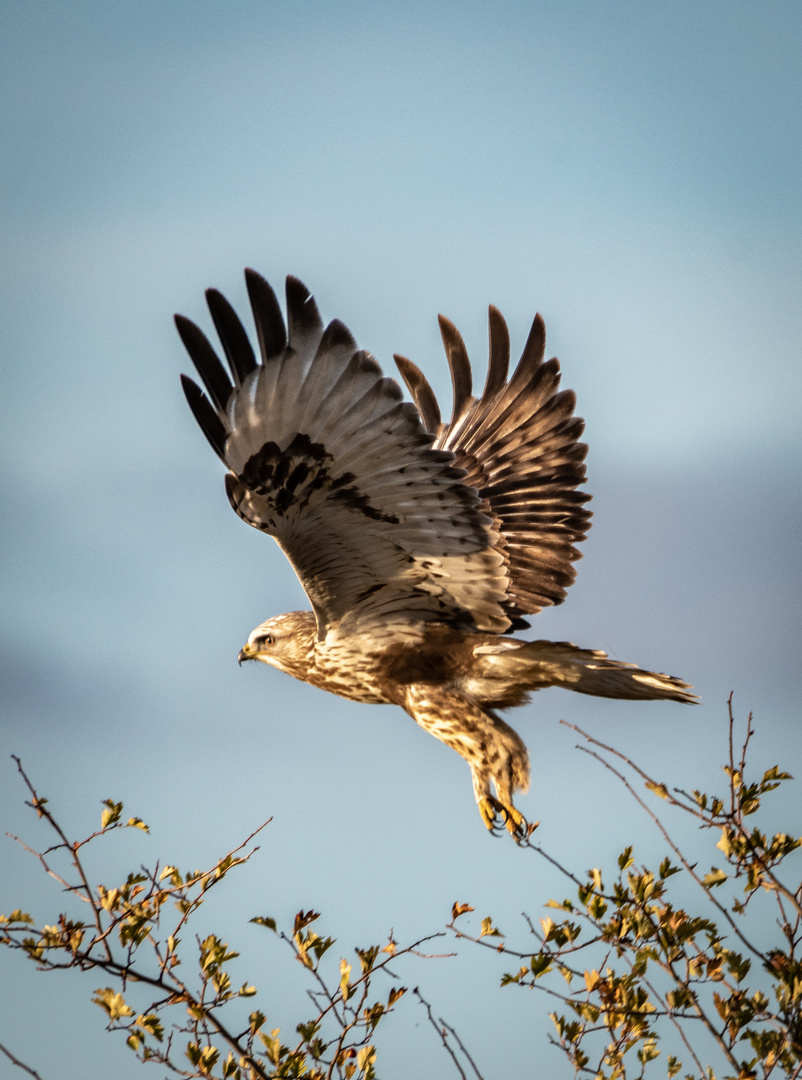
(19, 1064)
(441, 1027)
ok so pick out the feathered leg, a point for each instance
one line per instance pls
(492, 749)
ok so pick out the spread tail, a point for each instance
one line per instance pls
(535, 665)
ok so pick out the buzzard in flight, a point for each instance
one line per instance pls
(421, 543)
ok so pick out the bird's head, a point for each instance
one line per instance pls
(286, 642)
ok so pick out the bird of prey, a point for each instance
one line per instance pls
(421, 543)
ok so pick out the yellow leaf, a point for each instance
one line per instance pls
(108, 898)
(366, 1056)
(715, 877)
(592, 979)
(111, 814)
(488, 930)
(114, 1004)
(345, 973)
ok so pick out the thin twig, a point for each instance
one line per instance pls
(648, 810)
(19, 1064)
(45, 813)
(441, 1033)
(461, 1045)
(700, 1015)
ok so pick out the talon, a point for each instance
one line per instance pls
(514, 821)
(487, 808)
(491, 809)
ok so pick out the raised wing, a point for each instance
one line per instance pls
(326, 457)
(519, 445)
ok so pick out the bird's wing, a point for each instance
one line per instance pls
(326, 457)
(519, 445)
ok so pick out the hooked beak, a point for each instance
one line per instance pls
(246, 653)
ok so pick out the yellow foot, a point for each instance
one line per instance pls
(513, 820)
(487, 808)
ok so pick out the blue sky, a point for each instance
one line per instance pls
(632, 173)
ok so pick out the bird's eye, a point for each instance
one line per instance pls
(268, 639)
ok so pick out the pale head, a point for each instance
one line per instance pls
(286, 642)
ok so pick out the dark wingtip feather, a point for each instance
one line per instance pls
(337, 335)
(499, 363)
(205, 360)
(210, 423)
(303, 316)
(459, 364)
(532, 356)
(267, 315)
(536, 342)
(233, 338)
(421, 391)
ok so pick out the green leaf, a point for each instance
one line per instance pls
(272, 1045)
(774, 774)
(208, 1059)
(309, 1030)
(265, 920)
(112, 1002)
(256, 1020)
(540, 964)
(111, 815)
(152, 1024)
(488, 930)
(715, 877)
(625, 858)
(16, 916)
(367, 958)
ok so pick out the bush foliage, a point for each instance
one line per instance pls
(643, 981)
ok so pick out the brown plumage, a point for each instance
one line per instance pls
(419, 543)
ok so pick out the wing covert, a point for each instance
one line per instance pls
(326, 457)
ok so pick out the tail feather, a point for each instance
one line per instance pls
(538, 664)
